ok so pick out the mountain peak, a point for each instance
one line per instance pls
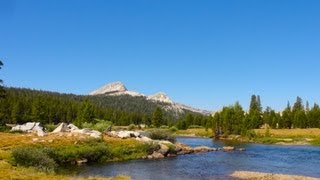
(114, 87)
(161, 97)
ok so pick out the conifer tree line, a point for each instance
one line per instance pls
(234, 120)
(25, 105)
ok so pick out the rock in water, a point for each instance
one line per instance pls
(157, 155)
(164, 149)
(228, 148)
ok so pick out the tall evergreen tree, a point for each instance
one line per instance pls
(299, 114)
(287, 117)
(85, 113)
(255, 112)
(157, 117)
(2, 91)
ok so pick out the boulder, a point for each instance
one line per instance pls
(82, 161)
(241, 149)
(63, 127)
(202, 149)
(95, 134)
(228, 148)
(31, 127)
(72, 127)
(124, 134)
(144, 139)
(135, 134)
(40, 133)
(157, 155)
(164, 149)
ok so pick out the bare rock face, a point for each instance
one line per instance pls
(161, 97)
(110, 88)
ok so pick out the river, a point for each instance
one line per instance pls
(295, 160)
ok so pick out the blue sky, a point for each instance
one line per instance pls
(203, 53)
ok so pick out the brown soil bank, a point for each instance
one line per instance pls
(268, 176)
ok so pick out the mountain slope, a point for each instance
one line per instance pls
(119, 89)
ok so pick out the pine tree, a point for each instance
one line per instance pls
(2, 91)
(157, 118)
(255, 112)
(85, 113)
(287, 117)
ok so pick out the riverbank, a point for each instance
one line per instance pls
(268, 176)
(69, 149)
(263, 136)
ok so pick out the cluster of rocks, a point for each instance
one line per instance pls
(124, 134)
(64, 127)
(35, 127)
(30, 127)
(166, 148)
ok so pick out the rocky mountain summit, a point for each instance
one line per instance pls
(118, 89)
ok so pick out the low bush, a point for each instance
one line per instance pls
(99, 125)
(173, 129)
(46, 159)
(131, 127)
(160, 134)
(33, 157)
(50, 127)
(195, 127)
(164, 127)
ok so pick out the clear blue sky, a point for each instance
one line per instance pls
(203, 53)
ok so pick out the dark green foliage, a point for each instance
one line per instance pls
(255, 112)
(47, 159)
(86, 113)
(161, 134)
(173, 129)
(131, 127)
(33, 157)
(2, 91)
(157, 117)
(50, 127)
(25, 105)
(93, 152)
(195, 127)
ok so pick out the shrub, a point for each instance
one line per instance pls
(164, 127)
(149, 148)
(99, 125)
(92, 150)
(173, 129)
(33, 157)
(195, 127)
(50, 127)
(160, 134)
(102, 125)
(87, 125)
(131, 127)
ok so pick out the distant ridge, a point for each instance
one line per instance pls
(119, 89)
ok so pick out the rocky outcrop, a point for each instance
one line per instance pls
(110, 88)
(200, 149)
(72, 129)
(126, 134)
(30, 127)
(160, 97)
(228, 148)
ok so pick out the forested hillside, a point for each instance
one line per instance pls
(24, 105)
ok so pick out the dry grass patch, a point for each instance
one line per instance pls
(196, 132)
(312, 132)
